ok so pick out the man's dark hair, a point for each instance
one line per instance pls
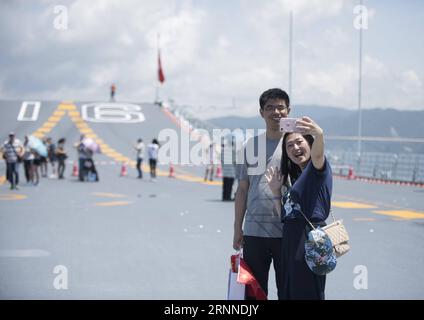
(274, 93)
(288, 168)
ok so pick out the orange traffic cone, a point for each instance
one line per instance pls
(75, 170)
(171, 171)
(123, 169)
(219, 171)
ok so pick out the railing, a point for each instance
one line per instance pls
(407, 167)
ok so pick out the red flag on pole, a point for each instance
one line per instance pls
(253, 288)
(161, 76)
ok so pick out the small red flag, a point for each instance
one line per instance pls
(253, 288)
(160, 71)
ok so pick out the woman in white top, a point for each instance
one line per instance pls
(139, 147)
(152, 150)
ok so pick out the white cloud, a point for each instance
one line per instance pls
(410, 82)
(334, 81)
(210, 54)
(374, 68)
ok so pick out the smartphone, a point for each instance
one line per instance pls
(288, 125)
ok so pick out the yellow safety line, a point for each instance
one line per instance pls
(12, 196)
(351, 205)
(113, 203)
(364, 219)
(404, 214)
(109, 195)
(375, 203)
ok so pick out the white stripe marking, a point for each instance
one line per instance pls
(35, 111)
(28, 253)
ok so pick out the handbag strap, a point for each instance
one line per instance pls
(307, 220)
(331, 212)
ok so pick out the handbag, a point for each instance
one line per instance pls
(338, 236)
(320, 256)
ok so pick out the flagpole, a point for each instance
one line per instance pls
(157, 83)
(360, 90)
(290, 53)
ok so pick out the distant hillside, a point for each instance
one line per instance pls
(341, 122)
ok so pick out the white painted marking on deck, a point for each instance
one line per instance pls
(25, 253)
(35, 111)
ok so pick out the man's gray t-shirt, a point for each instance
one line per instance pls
(261, 218)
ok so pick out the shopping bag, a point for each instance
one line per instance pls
(236, 290)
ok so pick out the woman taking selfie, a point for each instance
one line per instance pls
(304, 163)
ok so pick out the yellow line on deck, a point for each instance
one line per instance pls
(364, 219)
(38, 134)
(44, 130)
(66, 106)
(86, 130)
(405, 214)
(74, 113)
(91, 135)
(59, 113)
(54, 119)
(49, 125)
(109, 195)
(111, 204)
(351, 205)
(12, 196)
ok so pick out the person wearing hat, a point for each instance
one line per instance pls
(13, 153)
(307, 202)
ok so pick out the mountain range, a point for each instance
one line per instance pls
(343, 122)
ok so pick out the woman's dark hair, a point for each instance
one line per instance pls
(155, 141)
(288, 168)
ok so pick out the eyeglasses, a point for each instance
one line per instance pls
(278, 107)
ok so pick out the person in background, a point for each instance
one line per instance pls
(51, 155)
(13, 152)
(61, 157)
(43, 161)
(228, 168)
(152, 150)
(83, 155)
(28, 162)
(140, 148)
(112, 92)
(36, 165)
(210, 167)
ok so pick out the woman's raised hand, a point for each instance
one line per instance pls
(275, 180)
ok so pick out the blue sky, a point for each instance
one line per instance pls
(214, 53)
